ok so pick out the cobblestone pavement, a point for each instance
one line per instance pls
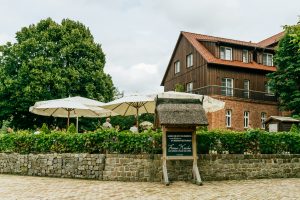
(25, 187)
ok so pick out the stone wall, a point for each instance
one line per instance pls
(55, 165)
(125, 167)
(235, 167)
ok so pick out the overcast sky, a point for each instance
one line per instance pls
(138, 36)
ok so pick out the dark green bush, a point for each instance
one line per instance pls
(45, 128)
(220, 140)
(112, 141)
(72, 128)
(294, 128)
(101, 141)
(252, 141)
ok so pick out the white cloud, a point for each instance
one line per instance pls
(140, 78)
(138, 36)
(6, 38)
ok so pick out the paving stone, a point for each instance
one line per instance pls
(25, 187)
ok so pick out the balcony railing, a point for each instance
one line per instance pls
(235, 92)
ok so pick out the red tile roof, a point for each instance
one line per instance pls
(194, 39)
(271, 40)
(202, 37)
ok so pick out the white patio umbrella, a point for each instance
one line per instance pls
(132, 105)
(91, 103)
(63, 108)
(74, 105)
(209, 104)
(78, 99)
(85, 101)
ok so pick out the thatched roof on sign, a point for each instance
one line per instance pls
(180, 112)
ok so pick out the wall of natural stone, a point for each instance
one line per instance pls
(125, 167)
(235, 167)
(55, 165)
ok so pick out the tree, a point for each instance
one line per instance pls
(285, 82)
(49, 61)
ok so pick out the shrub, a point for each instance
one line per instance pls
(112, 141)
(72, 129)
(294, 128)
(100, 141)
(45, 129)
(220, 140)
(252, 141)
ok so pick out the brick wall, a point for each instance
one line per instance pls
(217, 119)
(125, 167)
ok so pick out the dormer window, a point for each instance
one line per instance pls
(245, 56)
(177, 66)
(268, 59)
(189, 60)
(226, 53)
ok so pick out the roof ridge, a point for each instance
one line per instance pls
(193, 39)
(217, 37)
(270, 39)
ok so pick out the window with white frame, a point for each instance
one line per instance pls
(228, 118)
(263, 118)
(227, 87)
(177, 67)
(245, 56)
(226, 53)
(246, 88)
(189, 60)
(246, 119)
(189, 87)
(268, 59)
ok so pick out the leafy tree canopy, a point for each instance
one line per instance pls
(285, 82)
(48, 61)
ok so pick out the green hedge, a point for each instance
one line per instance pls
(102, 141)
(111, 141)
(253, 141)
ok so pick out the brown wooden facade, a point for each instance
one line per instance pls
(208, 69)
(196, 73)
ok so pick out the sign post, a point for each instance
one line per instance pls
(178, 119)
(180, 144)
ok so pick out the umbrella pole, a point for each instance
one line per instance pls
(137, 117)
(77, 124)
(68, 123)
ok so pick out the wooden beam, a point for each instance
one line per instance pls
(196, 173)
(164, 158)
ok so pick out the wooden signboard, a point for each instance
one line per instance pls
(178, 118)
(179, 144)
